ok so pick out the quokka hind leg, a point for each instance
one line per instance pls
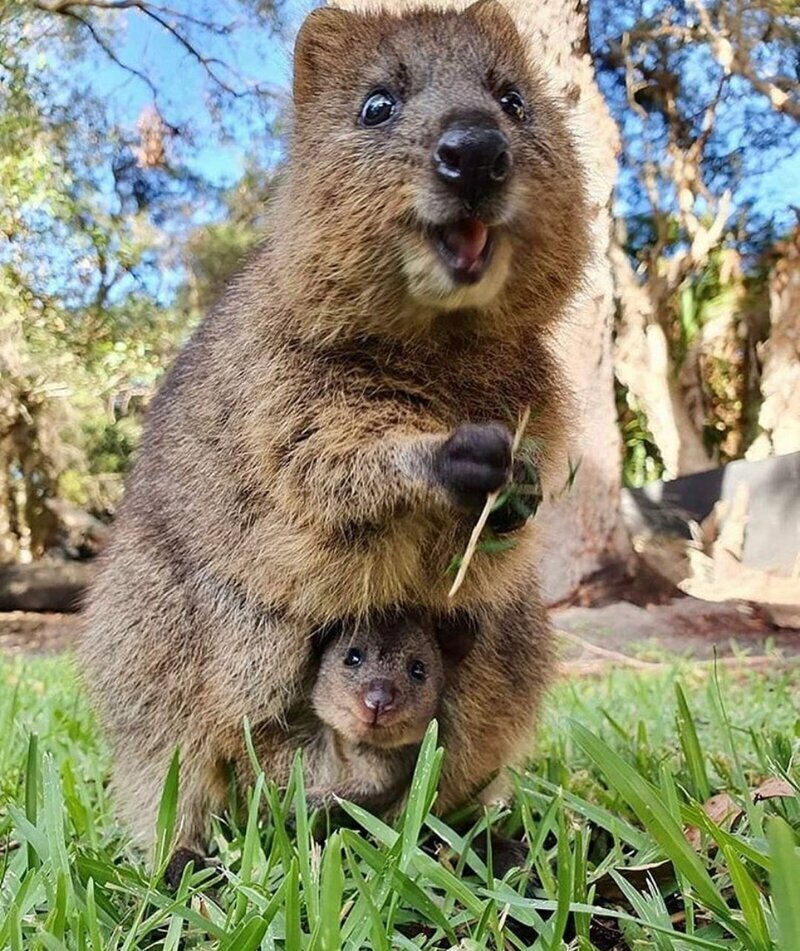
(491, 705)
(202, 791)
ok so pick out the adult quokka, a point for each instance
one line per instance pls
(324, 442)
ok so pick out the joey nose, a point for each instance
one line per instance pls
(473, 160)
(379, 697)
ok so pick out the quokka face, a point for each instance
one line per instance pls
(380, 684)
(435, 156)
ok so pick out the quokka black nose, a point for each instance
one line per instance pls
(473, 159)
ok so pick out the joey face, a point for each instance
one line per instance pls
(380, 684)
(446, 167)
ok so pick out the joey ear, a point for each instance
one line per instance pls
(319, 48)
(322, 636)
(493, 14)
(456, 635)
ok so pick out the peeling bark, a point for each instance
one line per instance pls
(644, 365)
(779, 417)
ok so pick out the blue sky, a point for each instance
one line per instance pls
(266, 59)
(257, 55)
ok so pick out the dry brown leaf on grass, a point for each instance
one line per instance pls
(774, 788)
(722, 808)
(719, 809)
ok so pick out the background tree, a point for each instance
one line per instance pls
(583, 530)
(106, 230)
(779, 414)
(708, 101)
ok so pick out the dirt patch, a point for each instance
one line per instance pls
(34, 633)
(617, 632)
(626, 633)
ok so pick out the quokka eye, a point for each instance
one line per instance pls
(417, 671)
(512, 102)
(378, 108)
(354, 657)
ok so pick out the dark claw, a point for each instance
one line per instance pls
(521, 505)
(180, 859)
(506, 519)
(507, 854)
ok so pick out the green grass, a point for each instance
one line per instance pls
(624, 764)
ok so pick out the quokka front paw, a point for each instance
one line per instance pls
(180, 859)
(474, 461)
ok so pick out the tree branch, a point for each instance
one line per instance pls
(734, 57)
(109, 52)
(63, 6)
(159, 15)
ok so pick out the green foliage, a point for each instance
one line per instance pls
(103, 265)
(216, 251)
(641, 459)
(722, 318)
(602, 809)
(72, 335)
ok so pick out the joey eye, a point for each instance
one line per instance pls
(512, 102)
(378, 108)
(354, 657)
(417, 671)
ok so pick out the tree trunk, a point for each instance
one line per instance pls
(8, 540)
(583, 530)
(643, 364)
(779, 417)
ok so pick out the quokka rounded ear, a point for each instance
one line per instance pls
(319, 47)
(325, 634)
(493, 14)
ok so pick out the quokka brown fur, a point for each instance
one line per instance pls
(323, 443)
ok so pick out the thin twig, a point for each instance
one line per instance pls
(572, 668)
(604, 652)
(173, 23)
(491, 498)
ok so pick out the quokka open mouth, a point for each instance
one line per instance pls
(465, 247)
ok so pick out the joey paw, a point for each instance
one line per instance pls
(474, 461)
(319, 801)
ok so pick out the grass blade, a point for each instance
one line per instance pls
(687, 733)
(167, 813)
(784, 879)
(646, 802)
(32, 791)
(328, 936)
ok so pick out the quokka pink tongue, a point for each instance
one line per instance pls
(467, 241)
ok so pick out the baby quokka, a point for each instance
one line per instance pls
(378, 686)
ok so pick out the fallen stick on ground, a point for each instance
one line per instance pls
(609, 655)
(608, 658)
